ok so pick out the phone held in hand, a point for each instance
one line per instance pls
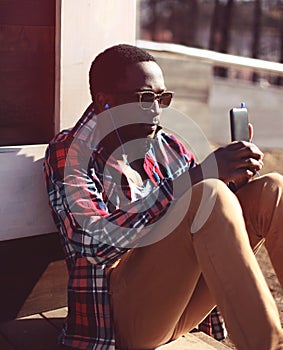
(239, 123)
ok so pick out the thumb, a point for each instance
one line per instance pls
(251, 131)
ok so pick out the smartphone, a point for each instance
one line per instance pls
(239, 123)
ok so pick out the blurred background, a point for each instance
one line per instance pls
(206, 90)
(250, 28)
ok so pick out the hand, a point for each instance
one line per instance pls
(237, 162)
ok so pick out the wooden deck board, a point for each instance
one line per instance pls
(28, 333)
(40, 332)
(192, 341)
(36, 279)
(56, 317)
(4, 345)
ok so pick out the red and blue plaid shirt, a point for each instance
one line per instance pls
(97, 220)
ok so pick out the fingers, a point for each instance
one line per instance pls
(251, 164)
(239, 161)
(244, 170)
(241, 177)
(248, 157)
(243, 149)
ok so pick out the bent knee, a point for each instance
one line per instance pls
(216, 191)
(267, 185)
(216, 188)
(264, 191)
(274, 179)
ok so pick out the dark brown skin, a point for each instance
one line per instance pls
(239, 162)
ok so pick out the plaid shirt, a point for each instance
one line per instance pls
(97, 220)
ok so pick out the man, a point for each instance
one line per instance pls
(153, 240)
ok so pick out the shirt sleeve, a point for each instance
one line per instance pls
(77, 202)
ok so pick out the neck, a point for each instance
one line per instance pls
(134, 149)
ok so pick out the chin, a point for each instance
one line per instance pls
(152, 135)
(151, 131)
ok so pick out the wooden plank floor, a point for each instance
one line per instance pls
(40, 332)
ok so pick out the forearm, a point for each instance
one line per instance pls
(196, 175)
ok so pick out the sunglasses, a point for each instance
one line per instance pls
(147, 99)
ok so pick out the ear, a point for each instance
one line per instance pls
(101, 99)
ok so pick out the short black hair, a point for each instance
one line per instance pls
(108, 68)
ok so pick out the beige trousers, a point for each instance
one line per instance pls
(160, 291)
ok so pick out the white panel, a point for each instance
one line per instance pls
(87, 28)
(24, 209)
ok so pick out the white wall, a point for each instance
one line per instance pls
(83, 29)
(88, 27)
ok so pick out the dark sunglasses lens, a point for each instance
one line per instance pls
(147, 100)
(165, 99)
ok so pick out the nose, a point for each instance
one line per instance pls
(156, 111)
